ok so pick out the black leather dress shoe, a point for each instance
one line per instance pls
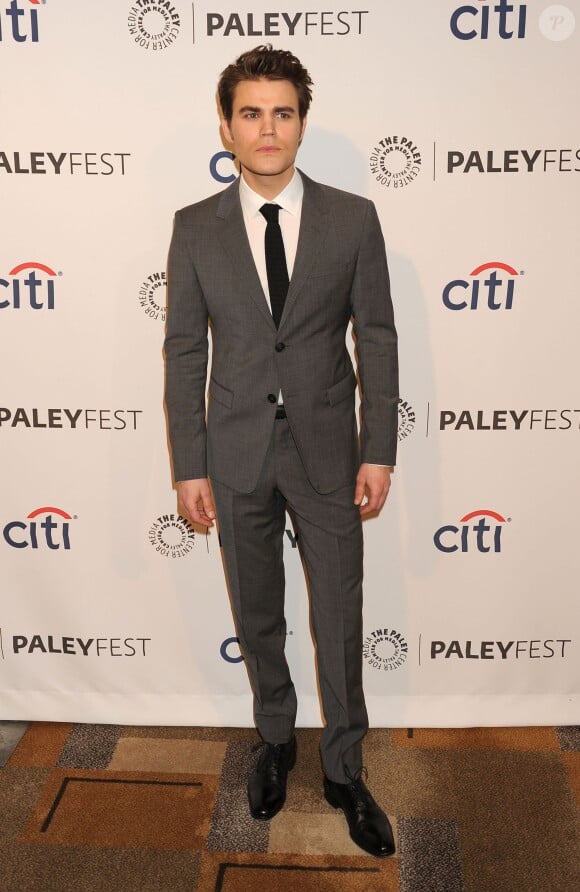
(267, 784)
(368, 824)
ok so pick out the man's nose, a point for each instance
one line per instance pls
(268, 125)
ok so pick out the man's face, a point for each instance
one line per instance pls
(265, 130)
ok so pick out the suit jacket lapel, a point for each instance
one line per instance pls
(313, 233)
(234, 238)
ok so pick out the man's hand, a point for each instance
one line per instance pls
(374, 481)
(195, 502)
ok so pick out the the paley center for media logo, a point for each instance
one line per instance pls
(171, 535)
(385, 649)
(153, 296)
(395, 161)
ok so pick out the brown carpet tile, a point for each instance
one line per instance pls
(89, 808)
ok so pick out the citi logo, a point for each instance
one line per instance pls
(20, 21)
(494, 292)
(221, 167)
(44, 527)
(27, 287)
(483, 536)
(230, 650)
(503, 19)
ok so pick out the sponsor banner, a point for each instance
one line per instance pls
(472, 169)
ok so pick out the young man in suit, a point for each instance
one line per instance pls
(279, 265)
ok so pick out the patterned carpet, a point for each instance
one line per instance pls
(95, 808)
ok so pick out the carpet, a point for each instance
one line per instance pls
(95, 808)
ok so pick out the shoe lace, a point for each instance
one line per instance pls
(271, 754)
(356, 784)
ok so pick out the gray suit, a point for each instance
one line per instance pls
(258, 464)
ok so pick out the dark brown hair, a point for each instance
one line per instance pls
(274, 65)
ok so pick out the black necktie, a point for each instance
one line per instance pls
(276, 268)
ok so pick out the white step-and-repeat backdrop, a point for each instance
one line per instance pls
(460, 121)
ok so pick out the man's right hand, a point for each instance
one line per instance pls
(195, 502)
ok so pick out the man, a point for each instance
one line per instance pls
(278, 265)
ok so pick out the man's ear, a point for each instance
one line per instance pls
(227, 133)
(302, 131)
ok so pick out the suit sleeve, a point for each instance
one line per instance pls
(186, 356)
(376, 344)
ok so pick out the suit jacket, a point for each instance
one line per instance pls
(340, 272)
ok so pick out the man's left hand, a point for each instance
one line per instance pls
(374, 482)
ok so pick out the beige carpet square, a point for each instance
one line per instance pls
(151, 754)
(123, 810)
(313, 834)
(235, 872)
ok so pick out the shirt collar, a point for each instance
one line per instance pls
(290, 198)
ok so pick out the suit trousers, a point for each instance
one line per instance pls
(330, 539)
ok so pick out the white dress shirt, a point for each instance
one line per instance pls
(290, 201)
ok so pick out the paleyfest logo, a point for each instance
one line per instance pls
(154, 24)
(36, 643)
(395, 161)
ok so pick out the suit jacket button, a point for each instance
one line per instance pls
(272, 398)
(280, 346)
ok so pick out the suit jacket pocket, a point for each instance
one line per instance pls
(342, 389)
(336, 269)
(221, 394)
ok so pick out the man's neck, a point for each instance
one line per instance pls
(268, 187)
